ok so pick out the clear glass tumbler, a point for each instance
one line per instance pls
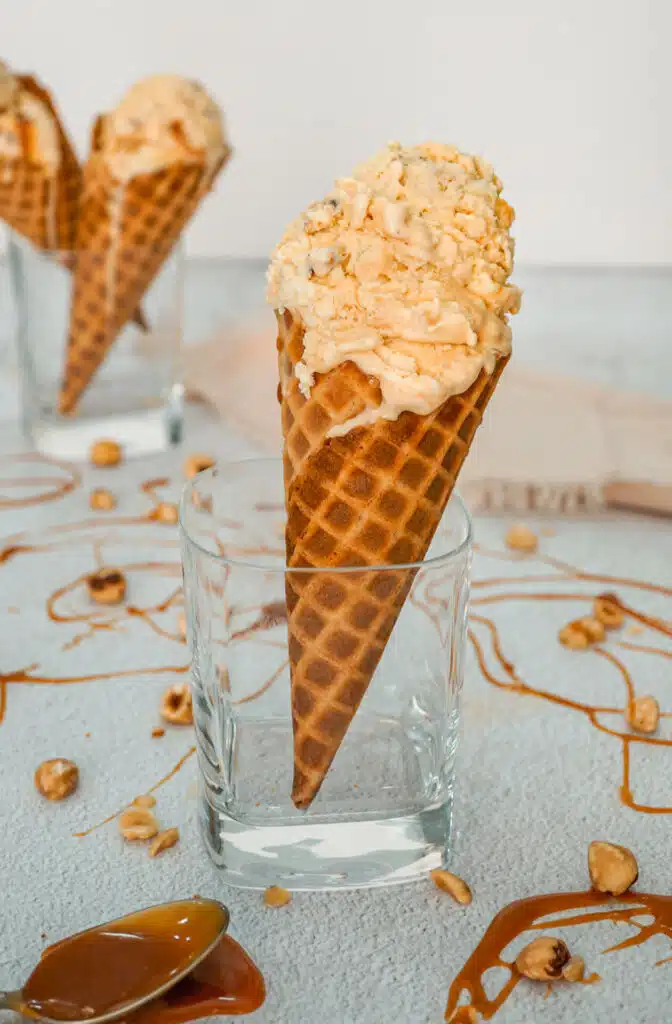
(135, 395)
(383, 813)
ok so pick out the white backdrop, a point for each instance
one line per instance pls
(569, 99)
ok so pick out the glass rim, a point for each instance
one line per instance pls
(244, 563)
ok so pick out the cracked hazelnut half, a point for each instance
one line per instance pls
(446, 881)
(106, 586)
(105, 453)
(176, 705)
(276, 896)
(165, 512)
(163, 841)
(197, 464)
(613, 869)
(575, 969)
(543, 959)
(57, 779)
(137, 824)
(607, 609)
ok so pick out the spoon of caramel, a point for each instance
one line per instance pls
(109, 971)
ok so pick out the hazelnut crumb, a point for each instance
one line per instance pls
(543, 959)
(197, 464)
(43, 935)
(607, 610)
(137, 824)
(182, 626)
(176, 705)
(165, 512)
(643, 714)
(276, 896)
(453, 885)
(163, 841)
(158, 732)
(102, 500)
(613, 869)
(106, 586)
(57, 779)
(634, 630)
(87, 735)
(105, 453)
(574, 970)
(145, 800)
(521, 538)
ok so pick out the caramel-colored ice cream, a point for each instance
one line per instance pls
(28, 129)
(404, 270)
(162, 121)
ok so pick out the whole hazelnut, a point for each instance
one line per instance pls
(165, 512)
(613, 869)
(57, 779)
(105, 453)
(102, 500)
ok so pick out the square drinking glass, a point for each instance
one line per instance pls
(384, 811)
(135, 396)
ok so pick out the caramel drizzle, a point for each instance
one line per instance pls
(157, 785)
(58, 487)
(524, 915)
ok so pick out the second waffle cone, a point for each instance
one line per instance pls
(372, 497)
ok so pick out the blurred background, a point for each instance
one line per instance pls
(568, 99)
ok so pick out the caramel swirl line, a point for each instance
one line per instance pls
(49, 488)
(526, 914)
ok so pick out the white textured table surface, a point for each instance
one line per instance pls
(537, 781)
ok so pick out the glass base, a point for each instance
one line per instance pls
(391, 826)
(142, 432)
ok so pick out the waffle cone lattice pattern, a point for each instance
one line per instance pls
(372, 497)
(125, 233)
(37, 204)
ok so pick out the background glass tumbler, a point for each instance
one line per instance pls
(135, 395)
(383, 813)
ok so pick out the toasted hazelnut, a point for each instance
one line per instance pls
(613, 869)
(574, 969)
(176, 705)
(102, 500)
(57, 779)
(581, 633)
(573, 636)
(145, 800)
(543, 959)
(643, 714)
(163, 841)
(452, 884)
(165, 512)
(137, 824)
(106, 586)
(276, 896)
(105, 453)
(158, 732)
(197, 464)
(521, 538)
(607, 609)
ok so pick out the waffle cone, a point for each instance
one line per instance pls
(372, 497)
(125, 233)
(36, 203)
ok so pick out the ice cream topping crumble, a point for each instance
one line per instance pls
(404, 270)
(28, 127)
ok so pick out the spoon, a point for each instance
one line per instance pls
(113, 969)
